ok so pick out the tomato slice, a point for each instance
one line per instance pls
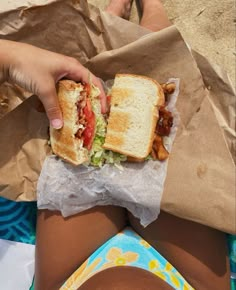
(89, 131)
(109, 101)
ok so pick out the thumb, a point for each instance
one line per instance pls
(48, 97)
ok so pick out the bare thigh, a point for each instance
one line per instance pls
(198, 252)
(63, 244)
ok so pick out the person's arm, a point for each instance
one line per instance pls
(38, 70)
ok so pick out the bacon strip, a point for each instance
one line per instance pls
(81, 116)
(164, 123)
(163, 127)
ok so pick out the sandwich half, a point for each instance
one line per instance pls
(81, 110)
(134, 112)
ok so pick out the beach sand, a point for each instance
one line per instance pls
(208, 26)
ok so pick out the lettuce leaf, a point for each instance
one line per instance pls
(98, 155)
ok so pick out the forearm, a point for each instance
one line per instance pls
(6, 58)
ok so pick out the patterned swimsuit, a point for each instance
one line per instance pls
(127, 249)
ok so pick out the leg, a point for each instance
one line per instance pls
(63, 244)
(198, 252)
(120, 8)
(154, 16)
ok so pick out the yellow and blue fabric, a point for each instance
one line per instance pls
(127, 249)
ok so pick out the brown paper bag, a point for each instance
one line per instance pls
(200, 179)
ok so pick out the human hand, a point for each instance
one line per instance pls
(37, 70)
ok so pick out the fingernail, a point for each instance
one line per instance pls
(56, 123)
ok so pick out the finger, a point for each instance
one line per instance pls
(49, 98)
(78, 72)
(103, 98)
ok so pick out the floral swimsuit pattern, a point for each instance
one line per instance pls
(127, 249)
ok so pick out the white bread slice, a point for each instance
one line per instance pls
(133, 115)
(63, 141)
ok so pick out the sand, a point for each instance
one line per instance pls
(208, 26)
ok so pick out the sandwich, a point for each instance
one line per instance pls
(128, 132)
(135, 103)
